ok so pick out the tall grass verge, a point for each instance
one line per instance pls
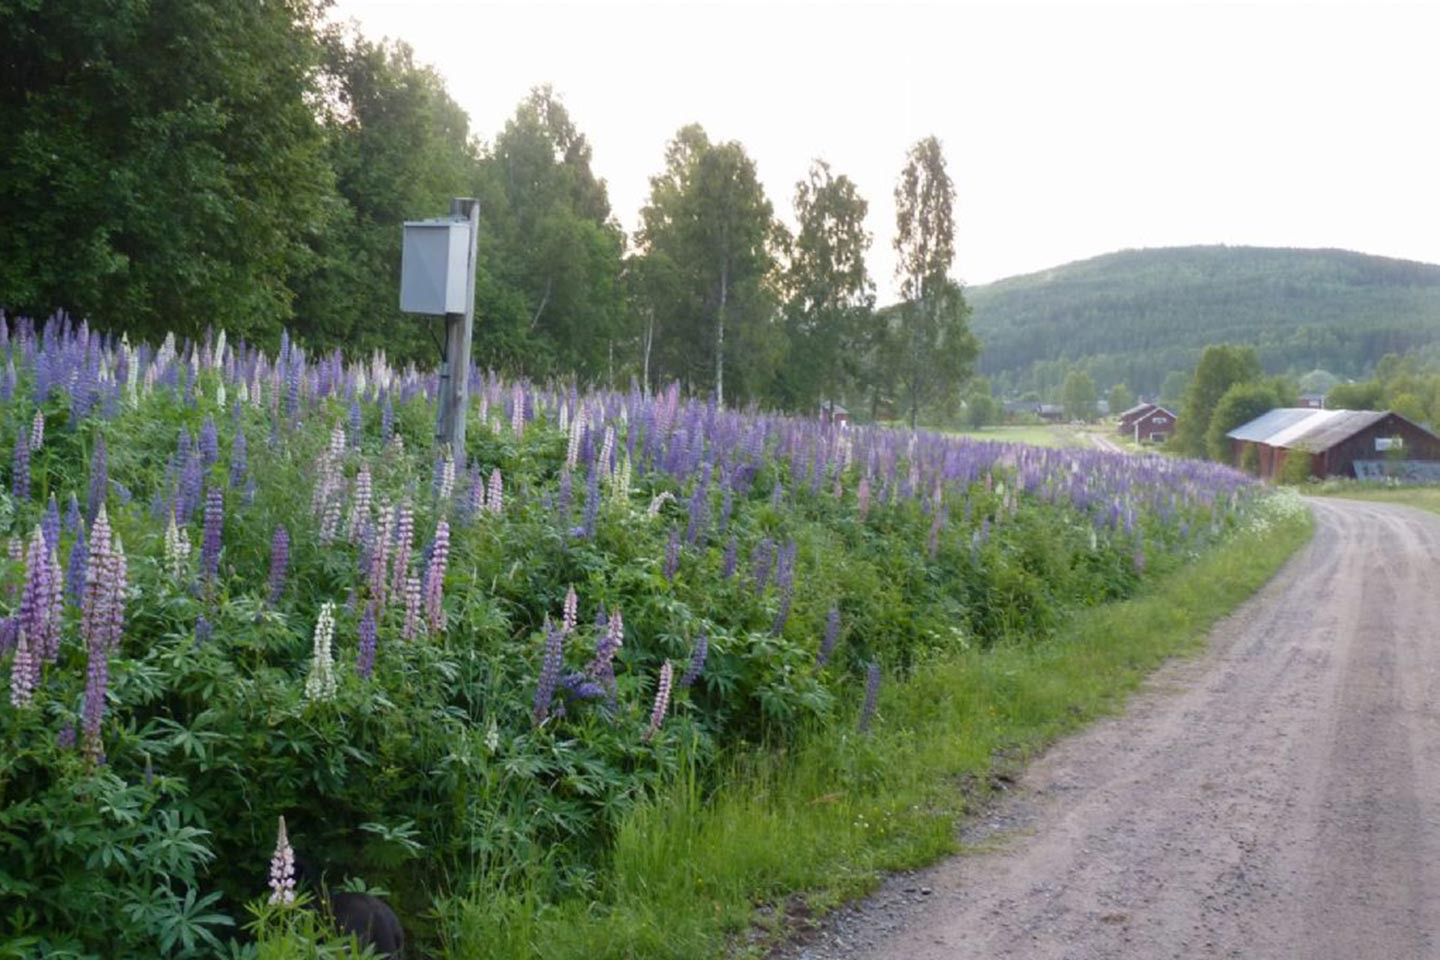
(827, 817)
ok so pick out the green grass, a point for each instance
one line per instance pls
(826, 818)
(1039, 435)
(1426, 498)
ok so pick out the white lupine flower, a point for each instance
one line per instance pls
(320, 684)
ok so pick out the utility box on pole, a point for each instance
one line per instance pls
(437, 277)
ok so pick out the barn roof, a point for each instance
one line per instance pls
(1263, 427)
(1300, 428)
(1325, 434)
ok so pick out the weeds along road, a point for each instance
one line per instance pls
(1277, 798)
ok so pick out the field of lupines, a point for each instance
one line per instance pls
(240, 586)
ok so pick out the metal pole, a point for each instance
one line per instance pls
(454, 400)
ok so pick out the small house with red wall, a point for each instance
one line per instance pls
(1338, 443)
(1147, 423)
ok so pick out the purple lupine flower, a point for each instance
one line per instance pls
(549, 674)
(602, 668)
(727, 565)
(785, 568)
(872, 695)
(9, 633)
(672, 554)
(435, 576)
(760, 560)
(697, 661)
(99, 478)
(727, 504)
(832, 636)
(282, 869)
(862, 494)
(662, 700)
(72, 515)
(369, 631)
(777, 493)
(50, 524)
(65, 737)
(387, 419)
(577, 685)
(192, 480)
(356, 423)
(203, 629)
(75, 571)
(20, 467)
(592, 501)
(562, 500)
(279, 562)
(214, 525)
(97, 680)
(239, 460)
(209, 444)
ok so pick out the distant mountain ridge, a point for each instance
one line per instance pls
(1135, 315)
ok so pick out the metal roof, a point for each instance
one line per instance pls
(1347, 423)
(1300, 428)
(1266, 425)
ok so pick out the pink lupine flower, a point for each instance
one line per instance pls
(24, 673)
(570, 612)
(360, 506)
(282, 869)
(380, 555)
(434, 587)
(404, 542)
(495, 502)
(413, 626)
(104, 586)
(39, 612)
(662, 700)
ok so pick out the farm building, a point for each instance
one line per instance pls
(1338, 443)
(1147, 423)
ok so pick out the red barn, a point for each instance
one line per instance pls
(1338, 443)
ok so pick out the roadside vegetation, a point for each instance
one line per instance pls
(591, 668)
(1423, 497)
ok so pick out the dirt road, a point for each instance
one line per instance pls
(1103, 442)
(1278, 798)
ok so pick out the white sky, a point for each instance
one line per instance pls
(1072, 129)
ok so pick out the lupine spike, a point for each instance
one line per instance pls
(282, 869)
(662, 700)
(320, 683)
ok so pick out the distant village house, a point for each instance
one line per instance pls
(1147, 423)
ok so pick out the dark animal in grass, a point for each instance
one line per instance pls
(363, 915)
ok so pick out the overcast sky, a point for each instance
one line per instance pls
(1072, 129)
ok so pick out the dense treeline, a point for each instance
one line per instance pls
(1137, 316)
(192, 164)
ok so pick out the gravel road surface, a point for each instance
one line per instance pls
(1277, 798)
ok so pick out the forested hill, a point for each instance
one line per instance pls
(1136, 315)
